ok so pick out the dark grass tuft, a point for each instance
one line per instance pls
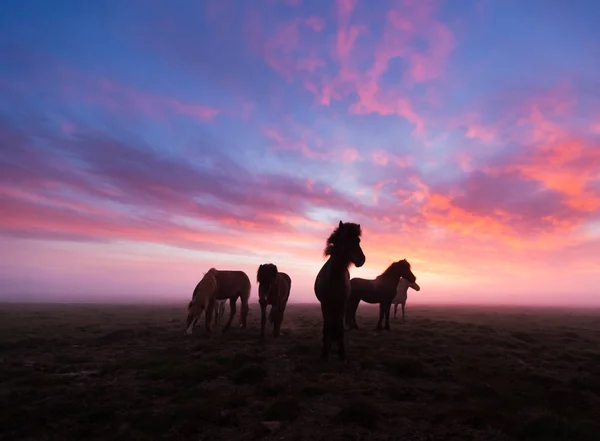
(129, 373)
(250, 374)
(282, 409)
(360, 411)
(408, 367)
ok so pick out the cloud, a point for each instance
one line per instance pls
(118, 97)
(94, 180)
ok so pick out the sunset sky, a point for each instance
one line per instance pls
(143, 142)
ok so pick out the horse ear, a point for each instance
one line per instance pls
(341, 224)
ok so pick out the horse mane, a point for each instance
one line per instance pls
(393, 268)
(209, 275)
(343, 229)
(266, 273)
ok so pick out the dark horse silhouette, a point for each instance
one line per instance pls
(332, 285)
(381, 290)
(273, 289)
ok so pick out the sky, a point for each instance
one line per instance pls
(143, 142)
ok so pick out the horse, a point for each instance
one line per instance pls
(219, 310)
(332, 284)
(381, 290)
(273, 289)
(219, 285)
(402, 294)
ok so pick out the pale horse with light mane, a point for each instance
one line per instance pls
(402, 294)
(216, 286)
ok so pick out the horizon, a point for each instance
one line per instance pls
(142, 144)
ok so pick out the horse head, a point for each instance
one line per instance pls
(345, 242)
(204, 292)
(404, 270)
(266, 276)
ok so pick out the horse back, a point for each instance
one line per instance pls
(232, 283)
(371, 290)
(285, 285)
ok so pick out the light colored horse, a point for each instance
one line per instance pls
(218, 285)
(402, 294)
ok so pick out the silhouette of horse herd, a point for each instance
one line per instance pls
(338, 294)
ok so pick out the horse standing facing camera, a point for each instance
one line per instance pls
(273, 289)
(332, 285)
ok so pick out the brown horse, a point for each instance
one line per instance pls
(332, 285)
(273, 289)
(402, 294)
(219, 285)
(381, 290)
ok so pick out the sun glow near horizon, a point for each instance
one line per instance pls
(245, 140)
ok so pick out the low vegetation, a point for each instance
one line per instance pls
(130, 373)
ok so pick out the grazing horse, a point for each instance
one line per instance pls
(332, 285)
(219, 285)
(402, 294)
(273, 289)
(381, 290)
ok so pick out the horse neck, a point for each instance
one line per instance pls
(389, 276)
(339, 263)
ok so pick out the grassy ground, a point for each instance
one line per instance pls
(114, 372)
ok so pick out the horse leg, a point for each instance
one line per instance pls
(191, 324)
(381, 313)
(244, 311)
(395, 310)
(275, 315)
(339, 334)
(326, 333)
(232, 310)
(263, 317)
(387, 316)
(281, 304)
(403, 310)
(276, 327)
(351, 308)
(208, 318)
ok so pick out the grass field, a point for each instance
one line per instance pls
(123, 372)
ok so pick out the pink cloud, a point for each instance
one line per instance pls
(116, 96)
(310, 64)
(300, 143)
(379, 158)
(481, 133)
(317, 24)
(464, 161)
(350, 154)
